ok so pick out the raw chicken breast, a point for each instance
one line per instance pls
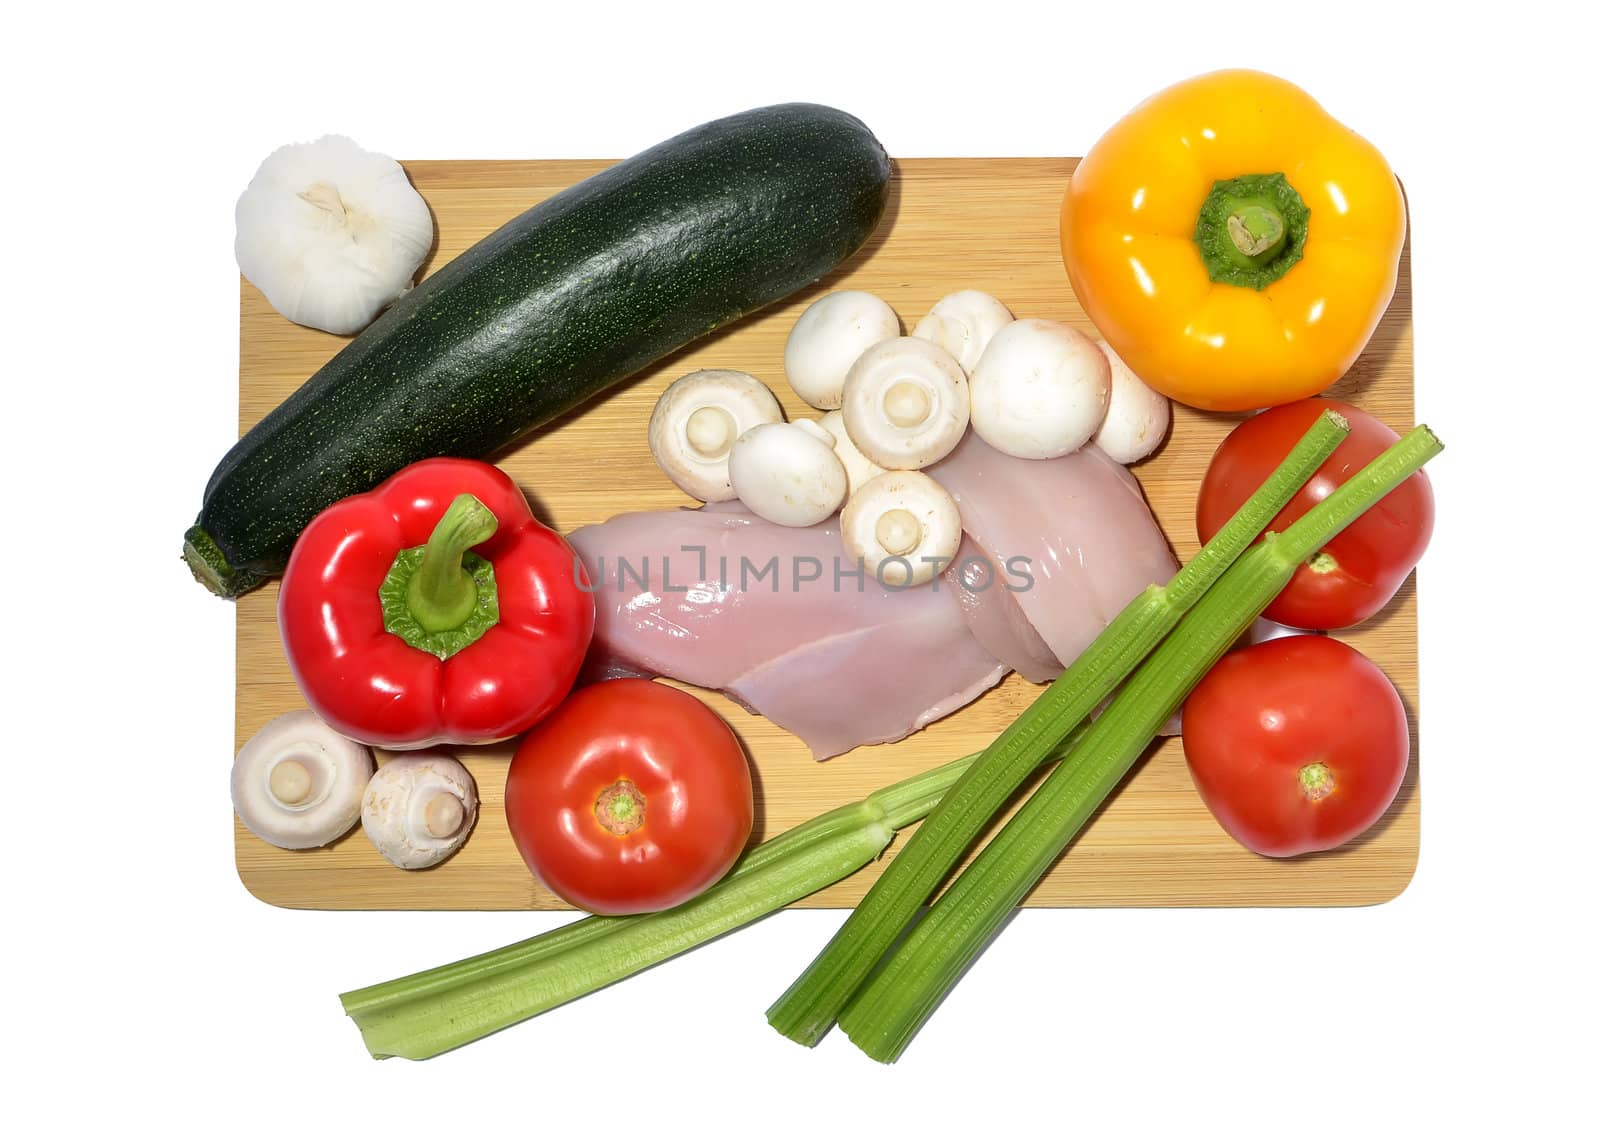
(1086, 538)
(774, 617)
(719, 598)
(994, 617)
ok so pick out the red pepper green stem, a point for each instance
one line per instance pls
(811, 1005)
(442, 594)
(898, 999)
(441, 597)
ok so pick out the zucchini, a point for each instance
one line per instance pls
(561, 302)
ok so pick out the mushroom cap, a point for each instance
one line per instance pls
(828, 338)
(419, 808)
(903, 525)
(1137, 417)
(788, 473)
(906, 403)
(1040, 390)
(963, 323)
(695, 423)
(857, 467)
(297, 783)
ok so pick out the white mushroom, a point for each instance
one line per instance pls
(696, 421)
(906, 403)
(419, 809)
(963, 324)
(788, 472)
(1137, 417)
(903, 526)
(857, 467)
(297, 784)
(829, 337)
(1040, 390)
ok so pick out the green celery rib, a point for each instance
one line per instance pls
(813, 1002)
(898, 999)
(439, 1009)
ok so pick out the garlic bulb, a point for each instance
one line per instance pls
(330, 233)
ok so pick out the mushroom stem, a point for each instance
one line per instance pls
(290, 782)
(898, 531)
(906, 404)
(443, 814)
(710, 432)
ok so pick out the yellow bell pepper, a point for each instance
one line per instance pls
(1234, 244)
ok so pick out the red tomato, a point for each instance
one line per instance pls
(1296, 744)
(631, 797)
(1355, 574)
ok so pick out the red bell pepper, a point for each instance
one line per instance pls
(434, 609)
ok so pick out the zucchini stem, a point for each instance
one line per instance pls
(814, 1001)
(211, 567)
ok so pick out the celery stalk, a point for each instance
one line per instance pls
(433, 1011)
(888, 1011)
(813, 1002)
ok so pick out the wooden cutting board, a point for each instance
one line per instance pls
(951, 224)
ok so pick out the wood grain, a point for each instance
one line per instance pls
(969, 223)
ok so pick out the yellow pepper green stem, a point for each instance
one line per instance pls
(1252, 230)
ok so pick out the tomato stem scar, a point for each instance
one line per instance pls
(1322, 562)
(620, 808)
(1316, 781)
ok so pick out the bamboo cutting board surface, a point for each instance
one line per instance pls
(951, 224)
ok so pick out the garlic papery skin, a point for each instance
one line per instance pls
(331, 233)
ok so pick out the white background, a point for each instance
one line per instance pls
(145, 984)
